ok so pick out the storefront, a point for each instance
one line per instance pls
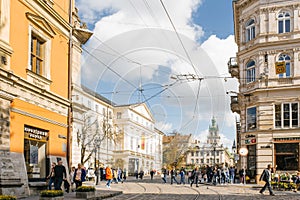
(35, 152)
(287, 156)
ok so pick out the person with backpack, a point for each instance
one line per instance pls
(266, 177)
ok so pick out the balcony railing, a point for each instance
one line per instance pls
(233, 67)
(234, 105)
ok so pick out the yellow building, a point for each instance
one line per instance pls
(35, 88)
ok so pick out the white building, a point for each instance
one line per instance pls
(93, 128)
(210, 153)
(140, 145)
(267, 34)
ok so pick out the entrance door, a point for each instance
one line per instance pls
(35, 158)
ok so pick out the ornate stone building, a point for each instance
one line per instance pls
(212, 152)
(268, 69)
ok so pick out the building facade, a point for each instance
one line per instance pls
(140, 143)
(268, 69)
(212, 152)
(35, 38)
(93, 134)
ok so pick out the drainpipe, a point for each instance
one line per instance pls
(70, 55)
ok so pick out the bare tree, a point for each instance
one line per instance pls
(175, 150)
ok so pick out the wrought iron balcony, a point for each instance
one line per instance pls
(234, 105)
(233, 67)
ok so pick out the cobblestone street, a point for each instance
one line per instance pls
(147, 189)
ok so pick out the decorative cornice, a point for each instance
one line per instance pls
(38, 117)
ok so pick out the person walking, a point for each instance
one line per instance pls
(232, 174)
(51, 176)
(141, 174)
(182, 176)
(164, 174)
(173, 175)
(152, 174)
(195, 177)
(60, 174)
(124, 175)
(266, 177)
(72, 173)
(108, 176)
(79, 175)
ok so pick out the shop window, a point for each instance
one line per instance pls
(284, 22)
(250, 30)
(250, 71)
(37, 49)
(251, 119)
(287, 156)
(287, 115)
(285, 58)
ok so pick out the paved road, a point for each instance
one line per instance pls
(155, 190)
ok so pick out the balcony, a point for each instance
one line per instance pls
(234, 105)
(233, 67)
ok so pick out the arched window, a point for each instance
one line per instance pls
(285, 58)
(284, 22)
(250, 71)
(250, 30)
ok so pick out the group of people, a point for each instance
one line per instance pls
(215, 175)
(58, 176)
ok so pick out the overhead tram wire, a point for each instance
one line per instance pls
(187, 54)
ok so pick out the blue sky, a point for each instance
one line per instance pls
(136, 40)
(216, 18)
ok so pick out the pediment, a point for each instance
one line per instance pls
(143, 110)
(41, 23)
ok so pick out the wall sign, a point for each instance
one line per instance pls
(31, 132)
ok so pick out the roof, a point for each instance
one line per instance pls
(97, 95)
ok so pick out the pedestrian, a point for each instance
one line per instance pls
(164, 174)
(108, 176)
(96, 172)
(79, 175)
(152, 174)
(119, 174)
(115, 175)
(51, 176)
(215, 175)
(102, 173)
(242, 174)
(72, 173)
(232, 174)
(124, 175)
(173, 175)
(182, 176)
(60, 174)
(195, 177)
(266, 176)
(136, 174)
(141, 174)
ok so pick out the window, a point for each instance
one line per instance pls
(192, 154)
(284, 22)
(197, 161)
(217, 153)
(37, 49)
(110, 115)
(119, 115)
(287, 156)
(285, 58)
(251, 118)
(287, 115)
(218, 160)
(202, 161)
(197, 153)
(192, 161)
(250, 30)
(207, 160)
(250, 71)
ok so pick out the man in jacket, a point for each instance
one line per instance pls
(266, 176)
(60, 174)
(108, 176)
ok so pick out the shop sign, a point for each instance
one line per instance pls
(280, 67)
(250, 141)
(35, 133)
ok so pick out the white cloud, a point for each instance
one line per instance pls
(140, 31)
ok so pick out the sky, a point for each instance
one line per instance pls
(171, 56)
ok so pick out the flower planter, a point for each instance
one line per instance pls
(85, 195)
(52, 198)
